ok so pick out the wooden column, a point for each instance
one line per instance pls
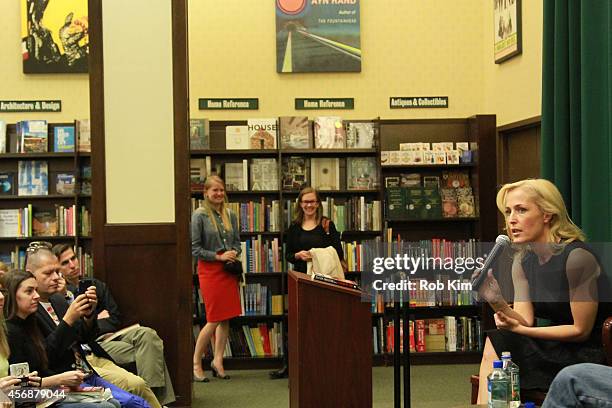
(144, 257)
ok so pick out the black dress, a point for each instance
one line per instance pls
(540, 360)
(299, 239)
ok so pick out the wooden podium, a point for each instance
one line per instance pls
(330, 345)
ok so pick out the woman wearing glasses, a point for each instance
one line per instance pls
(306, 231)
(215, 239)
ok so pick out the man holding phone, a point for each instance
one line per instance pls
(78, 320)
(139, 344)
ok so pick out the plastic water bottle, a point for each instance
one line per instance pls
(512, 371)
(498, 386)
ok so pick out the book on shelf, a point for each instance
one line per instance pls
(63, 139)
(33, 136)
(199, 169)
(33, 178)
(262, 133)
(83, 131)
(7, 183)
(85, 187)
(264, 174)
(361, 173)
(329, 133)
(295, 132)
(9, 223)
(199, 134)
(360, 135)
(44, 224)
(295, 172)
(236, 176)
(325, 173)
(2, 136)
(338, 282)
(237, 138)
(65, 183)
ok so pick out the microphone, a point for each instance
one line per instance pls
(501, 243)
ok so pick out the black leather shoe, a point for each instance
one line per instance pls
(278, 374)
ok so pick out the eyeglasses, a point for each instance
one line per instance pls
(310, 202)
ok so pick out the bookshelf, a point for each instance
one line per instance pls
(50, 204)
(389, 134)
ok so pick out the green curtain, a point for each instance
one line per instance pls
(576, 109)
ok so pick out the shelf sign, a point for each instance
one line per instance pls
(324, 103)
(228, 103)
(418, 102)
(30, 106)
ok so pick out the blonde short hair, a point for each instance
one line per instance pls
(548, 198)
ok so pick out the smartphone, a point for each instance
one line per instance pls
(21, 371)
(84, 284)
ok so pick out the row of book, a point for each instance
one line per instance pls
(290, 132)
(63, 221)
(257, 300)
(412, 203)
(296, 173)
(262, 340)
(262, 255)
(32, 136)
(15, 259)
(448, 334)
(33, 180)
(429, 153)
(350, 214)
(256, 216)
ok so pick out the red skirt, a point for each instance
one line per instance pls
(219, 290)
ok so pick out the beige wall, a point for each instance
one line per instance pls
(138, 112)
(417, 47)
(513, 89)
(410, 48)
(71, 89)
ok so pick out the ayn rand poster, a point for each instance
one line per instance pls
(318, 36)
(54, 36)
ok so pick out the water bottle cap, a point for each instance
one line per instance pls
(529, 405)
(506, 354)
(497, 364)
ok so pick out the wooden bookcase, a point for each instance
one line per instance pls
(72, 162)
(479, 129)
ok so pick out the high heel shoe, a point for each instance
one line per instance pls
(197, 378)
(216, 373)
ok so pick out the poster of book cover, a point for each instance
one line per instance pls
(54, 36)
(318, 36)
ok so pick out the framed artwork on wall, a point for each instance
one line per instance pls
(54, 36)
(317, 36)
(507, 28)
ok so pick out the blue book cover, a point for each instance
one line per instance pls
(64, 138)
(33, 178)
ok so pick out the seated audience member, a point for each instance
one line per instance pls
(582, 385)
(27, 344)
(52, 314)
(557, 277)
(8, 382)
(141, 345)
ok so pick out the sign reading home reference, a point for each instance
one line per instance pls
(418, 102)
(30, 106)
(228, 103)
(324, 103)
